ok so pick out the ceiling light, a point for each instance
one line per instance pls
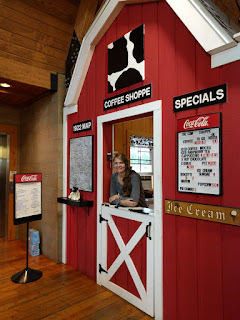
(5, 85)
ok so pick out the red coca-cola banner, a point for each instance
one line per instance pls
(28, 177)
(199, 122)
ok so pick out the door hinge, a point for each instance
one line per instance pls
(148, 231)
(102, 219)
(101, 269)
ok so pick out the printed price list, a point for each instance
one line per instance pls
(28, 199)
(199, 161)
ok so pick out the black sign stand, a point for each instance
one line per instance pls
(27, 274)
(26, 186)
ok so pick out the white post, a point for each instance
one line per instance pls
(66, 112)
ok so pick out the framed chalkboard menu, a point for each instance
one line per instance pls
(81, 163)
(199, 154)
(27, 197)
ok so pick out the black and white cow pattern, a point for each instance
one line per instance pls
(126, 64)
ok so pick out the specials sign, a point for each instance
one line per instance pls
(206, 212)
(199, 154)
(201, 98)
(82, 126)
(135, 95)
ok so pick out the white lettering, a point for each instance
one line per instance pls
(195, 99)
(211, 97)
(205, 97)
(220, 215)
(220, 94)
(199, 122)
(184, 100)
(189, 101)
(30, 178)
(189, 208)
(177, 104)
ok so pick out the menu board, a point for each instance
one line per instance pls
(27, 198)
(81, 163)
(199, 154)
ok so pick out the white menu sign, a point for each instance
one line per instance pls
(27, 197)
(199, 154)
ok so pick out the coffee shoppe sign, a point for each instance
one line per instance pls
(206, 212)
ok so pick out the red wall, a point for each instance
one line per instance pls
(201, 260)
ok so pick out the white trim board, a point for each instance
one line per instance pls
(156, 108)
(66, 111)
(225, 57)
(192, 13)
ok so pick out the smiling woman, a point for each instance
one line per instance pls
(126, 187)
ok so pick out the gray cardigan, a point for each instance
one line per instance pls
(137, 193)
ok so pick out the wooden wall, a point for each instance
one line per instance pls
(201, 280)
(123, 131)
(37, 33)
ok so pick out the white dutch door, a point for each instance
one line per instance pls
(126, 265)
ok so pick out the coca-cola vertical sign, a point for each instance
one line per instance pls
(27, 197)
(199, 154)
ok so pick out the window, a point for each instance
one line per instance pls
(141, 154)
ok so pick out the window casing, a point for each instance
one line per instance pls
(141, 154)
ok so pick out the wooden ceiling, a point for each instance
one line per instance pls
(35, 36)
(34, 41)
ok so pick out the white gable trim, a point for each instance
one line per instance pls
(227, 56)
(192, 13)
(205, 29)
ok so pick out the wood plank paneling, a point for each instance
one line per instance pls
(65, 10)
(61, 293)
(38, 34)
(85, 16)
(199, 257)
(32, 55)
(17, 71)
(187, 299)
(26, 9)
(28, 22)
(123, 130)
(27, 43)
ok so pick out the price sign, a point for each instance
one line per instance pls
(27, 198)
(199, 158)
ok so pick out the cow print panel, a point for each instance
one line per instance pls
(118, 56)
(131, 76)
(126, 64)
(136, 36)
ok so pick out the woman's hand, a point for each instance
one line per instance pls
(128, 203)
(114, 197)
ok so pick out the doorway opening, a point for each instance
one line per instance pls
(4, 172)
(106, 267)
(134, 138)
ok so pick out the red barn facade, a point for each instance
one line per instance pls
(194, 263)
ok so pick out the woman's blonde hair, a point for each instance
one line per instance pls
(127, 186)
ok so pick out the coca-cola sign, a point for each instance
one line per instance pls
(28, 177)
(199, 122)
(31, 178)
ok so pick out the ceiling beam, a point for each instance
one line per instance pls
(21, 72)
(17, 93)
(85, 16)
